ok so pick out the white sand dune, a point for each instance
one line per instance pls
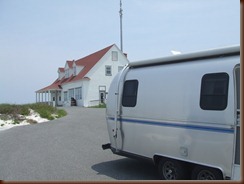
(34, 116)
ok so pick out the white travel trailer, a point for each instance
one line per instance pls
(182, 112)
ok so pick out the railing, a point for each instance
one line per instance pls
(96, 102)
(52, 103)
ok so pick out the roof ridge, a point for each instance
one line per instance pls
(104, 51)
(88, 62)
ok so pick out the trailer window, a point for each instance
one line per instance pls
(130, 93)
(214, 91)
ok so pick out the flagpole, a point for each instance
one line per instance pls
(121, 33)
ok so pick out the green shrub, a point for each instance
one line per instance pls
(43, 113)
(16, 122)
(31, 121)
(45, 110)
(101, 105)
(61, 113)
(6, 109)
(14, 109)
(5, 117)
(24, 110)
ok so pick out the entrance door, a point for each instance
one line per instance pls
(236, 165)
(102, 96)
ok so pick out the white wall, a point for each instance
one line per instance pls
(90, 88)
(98, 77)
(60, 75)
(72, 85)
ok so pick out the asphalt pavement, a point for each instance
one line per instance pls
(67, 149)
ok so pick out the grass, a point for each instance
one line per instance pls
(101, 105)
(61, 113)
(45, 111)
(13, 109)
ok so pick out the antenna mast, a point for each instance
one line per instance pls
(121, 33)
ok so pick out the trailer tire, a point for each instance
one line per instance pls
(206, 173)
(170, 169)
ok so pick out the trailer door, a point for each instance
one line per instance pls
(236, 164)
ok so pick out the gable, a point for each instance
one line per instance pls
(89, 62)
(77, 70)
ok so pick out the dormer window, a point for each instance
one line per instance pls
(67, 73)
(74, 70)
(59, 75)
(114, 56)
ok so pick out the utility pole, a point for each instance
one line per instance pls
(121, 33)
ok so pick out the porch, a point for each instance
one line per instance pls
(50, 97)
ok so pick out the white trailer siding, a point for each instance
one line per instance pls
(174, 90)
(167, 119)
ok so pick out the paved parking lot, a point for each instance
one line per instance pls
(67, 149)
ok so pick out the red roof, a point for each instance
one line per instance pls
(56, 85)
(87, 62)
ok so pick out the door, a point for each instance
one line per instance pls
(118, 131)
(236, 164)
(59, 98)
(102, 94)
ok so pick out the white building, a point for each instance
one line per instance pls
(86, 80)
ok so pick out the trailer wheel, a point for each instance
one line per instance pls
(172, 170)
(206, 173)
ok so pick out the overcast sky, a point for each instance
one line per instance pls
(38, 36)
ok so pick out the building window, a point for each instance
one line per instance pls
(214, 91)
(114, 56)
(108, 70)
(129, 97)
(65, 95)
(74, 71)
(78, 93)
(66, 73)
(71, 93)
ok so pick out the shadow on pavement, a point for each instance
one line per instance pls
(127, 169)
